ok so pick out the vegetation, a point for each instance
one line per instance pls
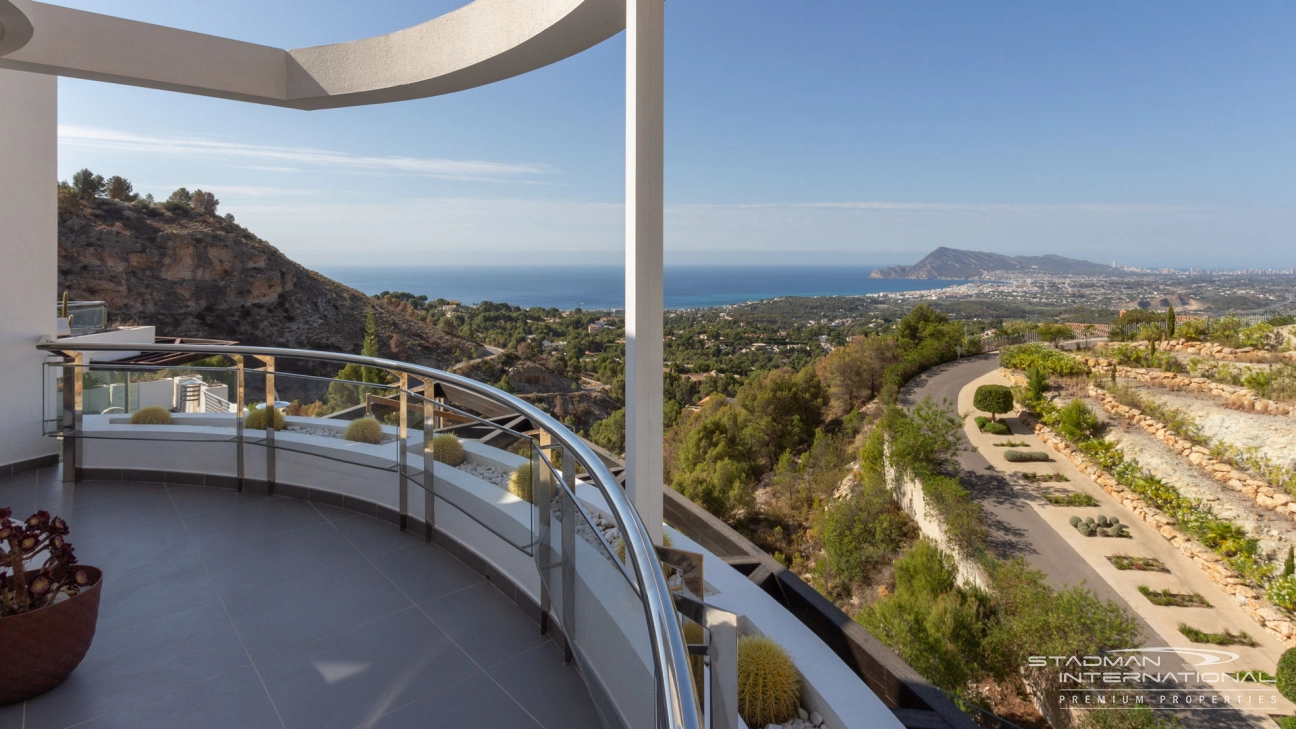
(1016, 456)
(863, 533)
(1286, 674)
(993, 427)
(1252, 676)
(1228, 637)
(522, 483)
(1035, 356)
(1011, 444)
(256, 419)
(1141, 564)
(1140, 717)
(1044, 477)
(1166, 598)
(1099, 527)
(993, 399)
(151, 415)
(447, 449)
(1071, 499)
(364, 430)
(769, 685)
(37, 565)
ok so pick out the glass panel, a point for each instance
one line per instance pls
(321, 417)
(190, 403)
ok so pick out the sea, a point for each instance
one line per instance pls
(598, 287)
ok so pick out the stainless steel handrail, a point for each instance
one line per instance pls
(676, 702)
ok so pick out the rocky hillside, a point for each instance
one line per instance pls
(195, 275)
(951, 263)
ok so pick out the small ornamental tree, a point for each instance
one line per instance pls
(993, 399)
(1170, 323)
(1286, 674)
(1054, 333)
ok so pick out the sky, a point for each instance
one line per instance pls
(1153, 134)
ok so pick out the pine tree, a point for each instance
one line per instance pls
(1170, 322)
(1289, 565)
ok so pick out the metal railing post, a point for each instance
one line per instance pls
(72, 403)
(430, 423)
(568, 490)
(402, 458)
(543, 500)
(269, 422)
(238, 418)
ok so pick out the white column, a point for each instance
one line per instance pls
(29, 244)
(644, 128)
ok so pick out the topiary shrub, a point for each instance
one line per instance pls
(256, 420)
(152, 415)
(364, 430)
(1285, 675)
(769, 685)
(1015, 456)
(522, 483)
(993, 399)
(447, 449)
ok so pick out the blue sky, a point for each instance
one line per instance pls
(1150, 133)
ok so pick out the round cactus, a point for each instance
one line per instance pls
(256, 420)
(1114, 521)
(769, 685)
(447, 449)
(1074, 521)
(364, 430)
(522, 484)
(1102, 520)
(621, 546)
(152, 415)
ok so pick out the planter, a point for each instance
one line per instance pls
(42, 647)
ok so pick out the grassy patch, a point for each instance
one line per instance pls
(1026, 456)
(1165, 598)
(1011, 444)
(1140, 564)
(1228, 637)
(1070, 499)
(993, 427)
(1252, 676)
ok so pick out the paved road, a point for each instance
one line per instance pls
(1017, 530)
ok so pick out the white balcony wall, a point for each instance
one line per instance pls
(29, 241)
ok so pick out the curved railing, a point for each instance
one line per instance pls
(676, 700)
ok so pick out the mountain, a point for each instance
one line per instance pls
(951, 263)
(196, 275)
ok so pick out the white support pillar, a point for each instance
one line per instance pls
(29, 243)
(644, 201)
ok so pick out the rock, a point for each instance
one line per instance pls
(816, 718)
(803, 714)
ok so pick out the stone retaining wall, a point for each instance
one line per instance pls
(1264, 493)
(1241, 397)
(1210, 349)
(1260, 610)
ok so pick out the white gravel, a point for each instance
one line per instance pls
(492, 474)
(1275, 436)
(329, 433)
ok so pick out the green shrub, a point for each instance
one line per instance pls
(522, 483)
(993, 399)
(997, 428)
(447, 449)
(1281, 591)
(1286, 674)
(1016, 456)
(364, 430)
(256, 420)
(1071, 499)
(1228, 637)
(1036, 384)
(769, 684)
(152, 415)
(862, 533)
(1034, 355)
(1141, 717)
(1076, 422)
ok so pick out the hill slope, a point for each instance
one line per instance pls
(194, 275)
(951, 263)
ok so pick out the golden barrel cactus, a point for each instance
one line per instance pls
(256, 420)
(152, 415)
(447, 449)
(364, 430)
(769, 685)
(522, 483)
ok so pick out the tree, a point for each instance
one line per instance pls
(87, 184)
(610, 432)
(1054, 333)
(1088, 330)
(120, 188)
(993, 399)
(204, 202)
(1170, 322)
(854, 373)
(181, 197)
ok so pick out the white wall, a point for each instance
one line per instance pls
(29, 244)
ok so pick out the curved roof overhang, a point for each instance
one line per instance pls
(480, 43)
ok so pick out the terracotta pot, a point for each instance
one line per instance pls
(42, 647)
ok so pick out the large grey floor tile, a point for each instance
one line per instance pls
(247, 521)
(54, 495)
(137, 595)
(194, 500)
(19, 494)
(128, 666)
(333, 513)
(120, 551)
(548, 689)
(278, 558)
(485, 623)
(346, 680)
(425, 571)
(284, 616)
(128, 514)
(11, 716)
(234, 699)
(374, 536)
(474, 703)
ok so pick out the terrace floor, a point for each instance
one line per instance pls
(222, 609)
